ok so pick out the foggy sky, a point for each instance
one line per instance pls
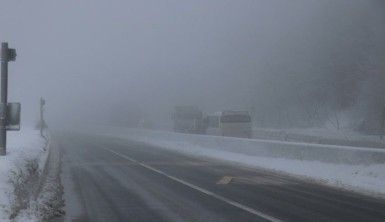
(87, 56)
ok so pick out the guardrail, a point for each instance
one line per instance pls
(283, 135)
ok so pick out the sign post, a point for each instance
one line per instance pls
(7, 55)
(42, 121)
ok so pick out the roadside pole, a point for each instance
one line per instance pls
(42, 121)
(7, 55)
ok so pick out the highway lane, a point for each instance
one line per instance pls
(111, 179)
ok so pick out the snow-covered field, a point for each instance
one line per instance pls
(358, 169)
(22, 147)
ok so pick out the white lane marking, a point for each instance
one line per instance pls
(202, 190)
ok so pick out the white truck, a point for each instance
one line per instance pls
(188, 119)
(229, 123)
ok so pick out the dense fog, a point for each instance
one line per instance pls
(301, 63)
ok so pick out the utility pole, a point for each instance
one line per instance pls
(42, 122)
(7, 55)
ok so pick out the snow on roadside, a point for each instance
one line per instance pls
(21, 146)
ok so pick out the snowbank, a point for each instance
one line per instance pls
(22, 146)
(359, 169)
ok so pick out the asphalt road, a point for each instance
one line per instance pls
(110, 179)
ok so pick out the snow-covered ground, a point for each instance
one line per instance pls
(358, 169)
(22, 146)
